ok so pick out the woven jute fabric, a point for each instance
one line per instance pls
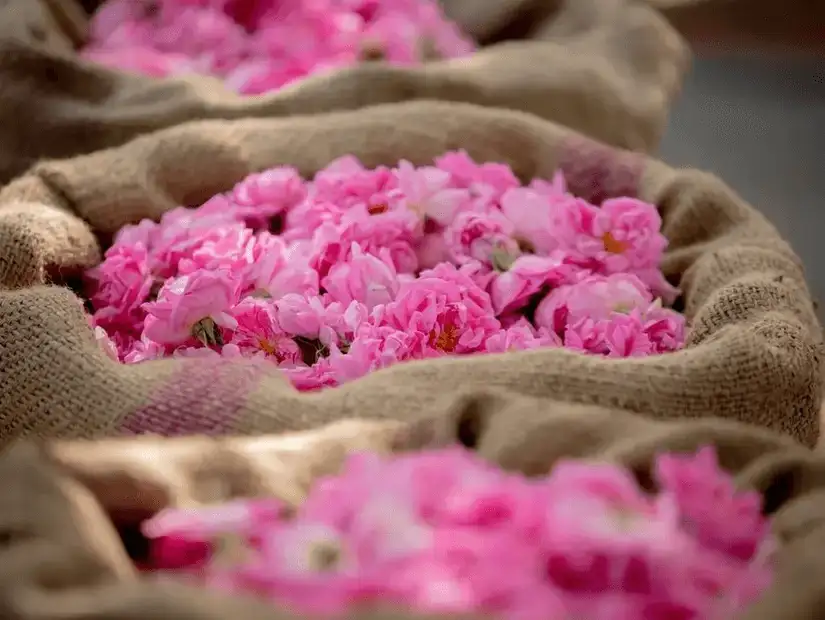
(765, 24)
(753, 352)
(62, 505)
(610, 69)
(760, 24)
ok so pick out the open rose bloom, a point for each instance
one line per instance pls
(256, 46)
(358, 269)
(445, 532)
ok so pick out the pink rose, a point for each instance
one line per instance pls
(477, 235)
(120, 284)
(445, 308)
(258, 332)
(427, 192)
(528, 275)
(364, 278)
(186, 301)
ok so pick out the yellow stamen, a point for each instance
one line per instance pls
(378, 209)
(612, 245)
(267, 346)
(447, 340)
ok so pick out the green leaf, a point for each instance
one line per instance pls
(207, 333)
(502, 259)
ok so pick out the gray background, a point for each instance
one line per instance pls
(759, 124)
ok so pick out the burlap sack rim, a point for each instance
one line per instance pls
(765, 458)
(740, 331)
(598, 26)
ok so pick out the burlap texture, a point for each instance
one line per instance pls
(725, 24)
(611, 72)
(51, 496)
(754, 346)
(755, 24)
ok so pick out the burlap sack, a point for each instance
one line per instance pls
(52, 496)
(759, 24)
(723, 24)
(610, 72)
(754, 346)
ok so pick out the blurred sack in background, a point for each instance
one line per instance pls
(609, 68)
(62, 505)
(752, 353)
(757, 24)
(797, 24)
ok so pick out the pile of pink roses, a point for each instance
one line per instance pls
(445, 532)
(358, 269)
(257, 46)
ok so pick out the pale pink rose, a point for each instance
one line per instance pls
(623, 236)
(594, 297)
(144, 350)
(446, 531)
(258, 332)
(665, 327)
(432, 250)
(301, 316)
(291, 280)
(725, 518)
(488, 180)
(278, 269)
(368, 279)
(555, 188)
(373, 348)
(427, 192)
(605, 525)
(229, 248)
(481, 274)
(187, 300)
(585, 336)
(531, 216)
(478, 235)
(343, 322)
(106, 344)
(445, 308)
(196, 352)
(313, 218)
(574, 230)
(395, 231)
(347, 183)
(614, 315)
(625, 336)
(308, 378)
(521, 337)
(267, 256)
(142, 233)
(528, 275)
(260, 197)
(635, 228)
(120, 284)
(182, 231)
(326, 248)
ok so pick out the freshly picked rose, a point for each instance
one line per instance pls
(257, 46)
(358, 269)
(444, 531)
